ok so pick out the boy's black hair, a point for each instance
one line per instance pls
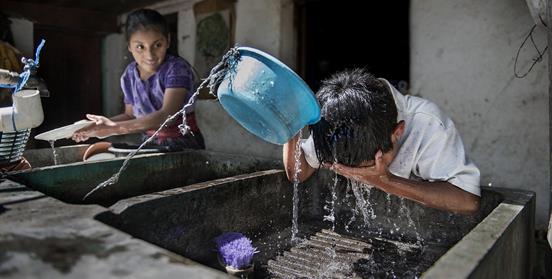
(358, 117)
(144, 19)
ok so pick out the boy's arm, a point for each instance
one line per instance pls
(439, 194)
(289, 161)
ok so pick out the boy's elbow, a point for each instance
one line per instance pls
(302, 176)
(289, 172)
(291, 176)
(472, 205)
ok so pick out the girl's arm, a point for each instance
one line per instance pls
(126, 115)
(124, 124)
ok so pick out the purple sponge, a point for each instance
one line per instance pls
(235, 249)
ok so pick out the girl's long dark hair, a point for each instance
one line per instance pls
(144, 19)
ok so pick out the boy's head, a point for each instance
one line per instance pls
(359, 116)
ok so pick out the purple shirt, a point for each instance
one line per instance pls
(146, 96)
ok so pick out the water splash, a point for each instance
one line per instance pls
(334, 266)
(367, 189)
(405, 211)
(297, 170)
(330, 205)
(54, 152)
(363, 204)
(354, 210)
(388, 205)
(390, 220)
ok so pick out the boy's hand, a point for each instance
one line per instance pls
(374, 173)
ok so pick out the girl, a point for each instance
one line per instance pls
(155, 86)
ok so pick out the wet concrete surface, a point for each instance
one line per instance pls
(41, 237)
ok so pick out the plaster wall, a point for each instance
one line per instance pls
(462, 58)
(258, 24)
(115, 59)
(22, 31)
(265, 25)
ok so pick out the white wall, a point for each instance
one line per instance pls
(266, 25)
(462, 58)
(115, 58)
(258, 24)
(22, 31)
(223, 134)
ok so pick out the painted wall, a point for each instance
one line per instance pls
(115, 58)
(268, 26)
(265, 25)
(462, 58)
(22, 31)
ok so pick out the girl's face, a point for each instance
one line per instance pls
(148, 47)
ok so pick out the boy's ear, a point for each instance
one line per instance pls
(398, 131)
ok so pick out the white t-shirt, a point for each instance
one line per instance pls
(430, 147)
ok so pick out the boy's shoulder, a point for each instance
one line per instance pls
(420, 109)
(416, 109)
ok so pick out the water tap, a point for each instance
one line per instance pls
(34, 82)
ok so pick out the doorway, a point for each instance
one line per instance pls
(338, 35)
(70, 65)
(172, 23)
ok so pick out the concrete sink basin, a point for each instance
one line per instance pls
(72, 179)
(375, 236)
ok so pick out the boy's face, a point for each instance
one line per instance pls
(387, 158)
(389, 155)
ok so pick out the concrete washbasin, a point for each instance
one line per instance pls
(72, 179)
(43, 157)
(398, 238)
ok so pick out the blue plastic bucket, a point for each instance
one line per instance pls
(267, 98)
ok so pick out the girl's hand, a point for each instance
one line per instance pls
(84, 133)
(101, 120)
(100, 128)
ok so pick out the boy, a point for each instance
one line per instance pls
(403, 145)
